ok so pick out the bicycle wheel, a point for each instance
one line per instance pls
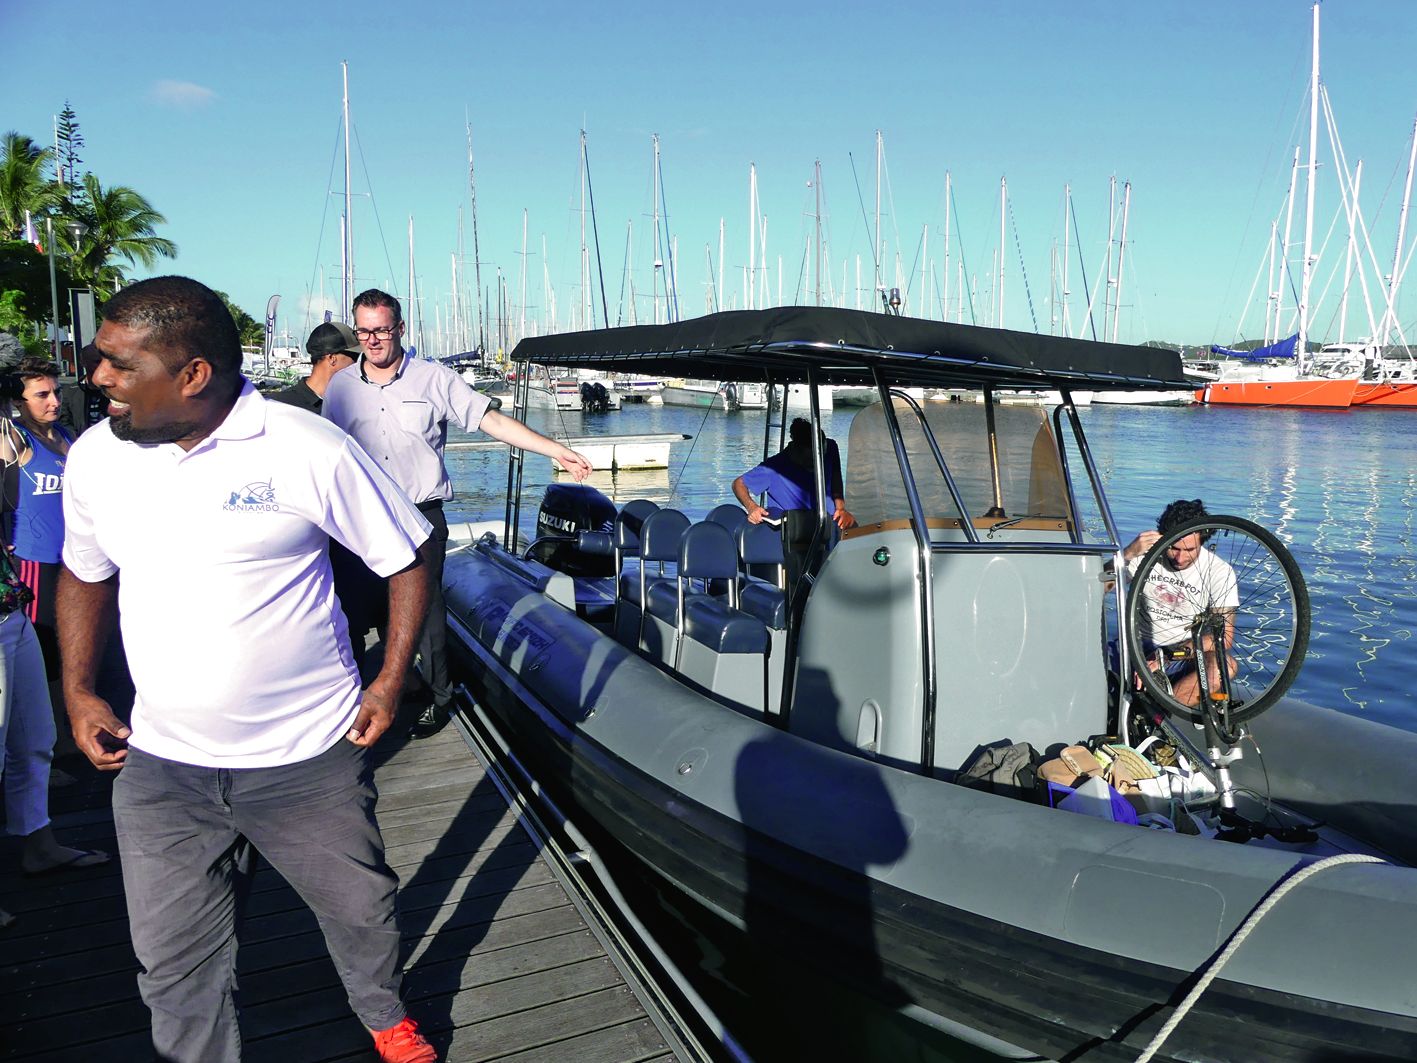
(1237, 581)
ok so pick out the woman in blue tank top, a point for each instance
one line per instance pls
(35, 484)
(32, 451)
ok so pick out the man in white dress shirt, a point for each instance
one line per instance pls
(398, 408)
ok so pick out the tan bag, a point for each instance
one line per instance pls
(1070, 767)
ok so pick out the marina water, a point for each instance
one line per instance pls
(1339, 488)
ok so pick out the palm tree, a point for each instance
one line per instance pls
(23, 183)
(121, 223)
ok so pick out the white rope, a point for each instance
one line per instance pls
(1272, 898)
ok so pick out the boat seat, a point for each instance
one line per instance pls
(760, 548)
(719, 627)
(721, 648)
(660, 536)
(760, 551)
(625, 538)
(730, 515)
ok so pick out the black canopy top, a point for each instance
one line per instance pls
(843, 346)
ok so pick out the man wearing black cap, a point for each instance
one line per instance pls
(331, 347)
(83, 406)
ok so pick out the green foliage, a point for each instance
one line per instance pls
(252, 332)
(24, 184)
(121, 224)
(70, 141)
(24, 274)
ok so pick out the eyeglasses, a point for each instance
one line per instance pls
(384, 332)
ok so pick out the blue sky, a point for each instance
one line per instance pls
(228, 120)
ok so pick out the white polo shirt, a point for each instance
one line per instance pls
(235, 638)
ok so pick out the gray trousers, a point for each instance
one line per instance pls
(188, 835)
(433, 640)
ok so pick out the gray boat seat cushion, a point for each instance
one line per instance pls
(708, 551)
(660, 535)
(663, 595)
(766, 602)
(731, 516)
(628, 523)
(712, 623)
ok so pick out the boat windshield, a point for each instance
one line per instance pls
(1030, 474)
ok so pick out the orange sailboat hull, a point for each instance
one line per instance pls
(1331, 394)
(1387, 393)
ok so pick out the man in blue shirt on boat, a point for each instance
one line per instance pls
(398, 408)
(788, 479)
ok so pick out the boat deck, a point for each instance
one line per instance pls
(501, 965)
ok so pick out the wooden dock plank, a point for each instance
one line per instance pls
(499, 963)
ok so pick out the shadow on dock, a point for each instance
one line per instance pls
(500, 964)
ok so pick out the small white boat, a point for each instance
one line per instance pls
(728, 396)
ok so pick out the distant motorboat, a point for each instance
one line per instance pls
(728, 396)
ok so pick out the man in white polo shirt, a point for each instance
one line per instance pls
(398, 408)
(203, 513)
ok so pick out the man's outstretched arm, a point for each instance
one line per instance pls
(512, 432)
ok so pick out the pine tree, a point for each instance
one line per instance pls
(70, 140)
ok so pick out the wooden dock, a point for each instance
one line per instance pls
(501, 964)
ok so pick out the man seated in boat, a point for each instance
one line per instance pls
(1189, 582)
(787, 478)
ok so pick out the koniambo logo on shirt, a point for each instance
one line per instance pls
(253, 498)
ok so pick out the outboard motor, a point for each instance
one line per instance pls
(594, 397)
(566, 511)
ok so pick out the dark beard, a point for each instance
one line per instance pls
(122, 427)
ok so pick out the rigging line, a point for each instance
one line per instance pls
(667, 249)
(1082, 264)
(620, 309)
(959, 235)
(684, 465)
(910, 280)
(393, 277)
(801, 276)
(324, 216)
(595, 231)
(1022, 268)
(712, 286)
(864, 218)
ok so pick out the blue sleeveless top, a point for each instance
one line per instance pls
(39, 512)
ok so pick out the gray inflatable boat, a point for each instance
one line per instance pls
(793, 758)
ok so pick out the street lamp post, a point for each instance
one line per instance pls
(76, 230)
(53, 284)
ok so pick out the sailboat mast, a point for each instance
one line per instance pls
(658, 262)
(476, 255)
(1003, 214)
(1067, 236)
(719, 290)
(1121, 257)
(521, 317)
(1111, 235)
(945, 310)
(1352, 253)
(817, 187)
(1301, 351)
(752, 233)
(347, 255)
(880, 149)
(1390, 314)
(587, 310)
(412, 302)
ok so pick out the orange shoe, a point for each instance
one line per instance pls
(403, 1044)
